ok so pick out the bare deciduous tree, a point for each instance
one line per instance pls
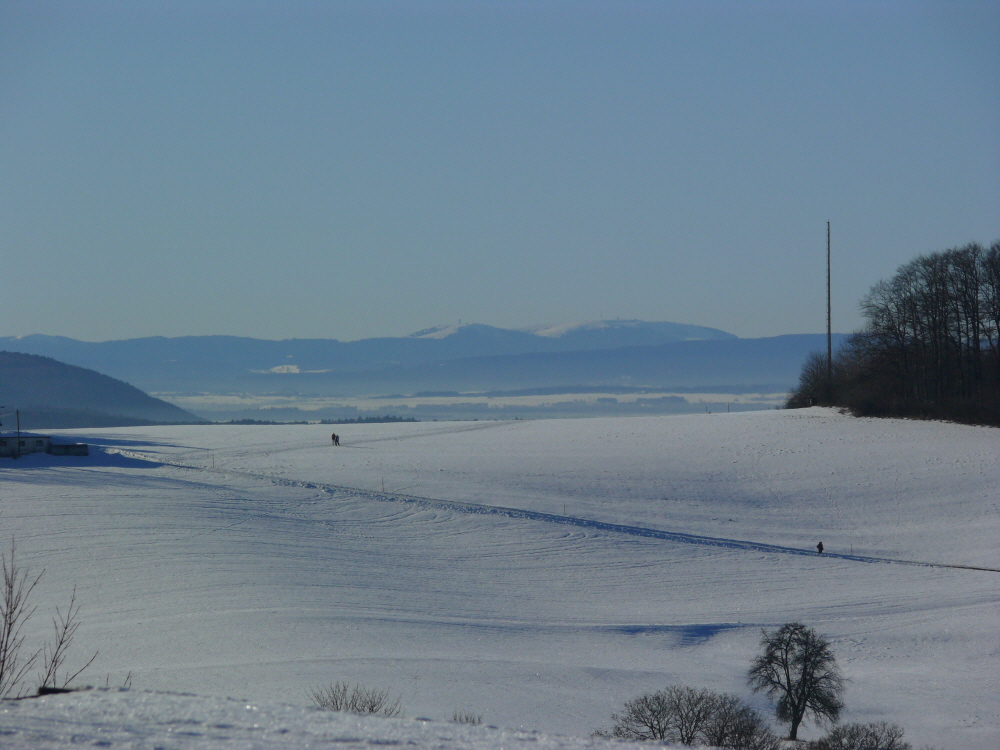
(54, 656)
(814, 387)
(736, 726)
(796, 667)
(15, 610)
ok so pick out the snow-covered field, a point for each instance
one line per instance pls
(537, 573)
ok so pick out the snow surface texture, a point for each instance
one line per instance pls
(147, 720)
(537, 573)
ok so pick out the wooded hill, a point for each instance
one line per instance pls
(50, 394)
(931, 346)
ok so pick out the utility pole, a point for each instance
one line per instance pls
(829, 326)
(17, 447)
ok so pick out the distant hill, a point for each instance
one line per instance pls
(51, 394)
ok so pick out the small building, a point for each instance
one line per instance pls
(13, 444)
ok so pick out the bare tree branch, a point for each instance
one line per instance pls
(15, 611)
(53, 657)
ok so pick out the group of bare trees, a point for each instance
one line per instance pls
(930, 348)
(795, 668)
(693, 717)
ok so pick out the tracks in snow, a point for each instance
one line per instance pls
(531, 515)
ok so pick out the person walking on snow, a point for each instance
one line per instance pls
(819, 548)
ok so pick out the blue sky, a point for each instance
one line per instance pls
(346, 170)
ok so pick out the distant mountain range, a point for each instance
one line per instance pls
(457, 358)
(757, 364)
(212, 362)
(51, 394)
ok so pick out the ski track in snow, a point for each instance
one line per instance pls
(460, 507)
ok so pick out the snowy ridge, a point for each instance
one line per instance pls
(555, 331)
(436, 332)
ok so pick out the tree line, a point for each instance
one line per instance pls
(930, 347)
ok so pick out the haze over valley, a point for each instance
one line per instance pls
(463, 372)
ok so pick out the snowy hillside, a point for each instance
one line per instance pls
(52, 393)
(537, 573)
